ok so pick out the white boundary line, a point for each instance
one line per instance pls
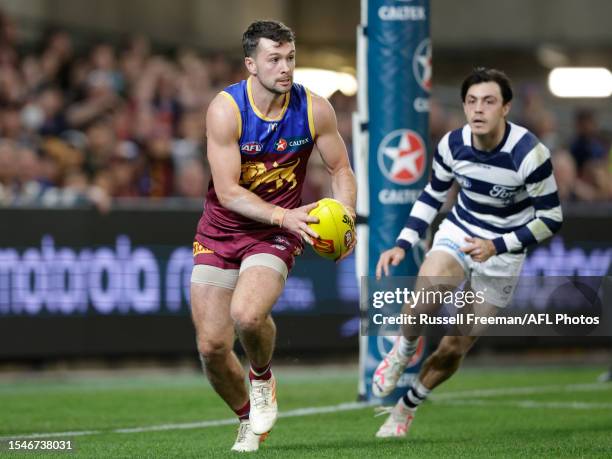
(531, 404)
(587, 387)
(194, 425)
(445, 398)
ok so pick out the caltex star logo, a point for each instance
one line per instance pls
(401, 156)
(421, 64)
(281, 145)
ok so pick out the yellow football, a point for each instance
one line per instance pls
(336, 229)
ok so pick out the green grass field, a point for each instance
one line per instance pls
(517, 412)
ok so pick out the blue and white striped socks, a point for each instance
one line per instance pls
(415, 396)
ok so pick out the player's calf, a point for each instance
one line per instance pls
(445, 360)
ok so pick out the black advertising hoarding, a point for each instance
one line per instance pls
(74, 282)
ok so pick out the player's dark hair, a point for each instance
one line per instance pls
(484, 75)
(272, 30)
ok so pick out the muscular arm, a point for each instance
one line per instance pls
(224, 158)
(333, 152)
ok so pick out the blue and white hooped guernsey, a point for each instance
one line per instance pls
(508, 195)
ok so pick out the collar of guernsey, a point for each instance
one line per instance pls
(290, 130)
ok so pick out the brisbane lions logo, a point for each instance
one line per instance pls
(255, 174)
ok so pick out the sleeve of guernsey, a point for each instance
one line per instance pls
(430, 200)
(536, 170)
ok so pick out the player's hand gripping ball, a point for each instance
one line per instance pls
(336, 229)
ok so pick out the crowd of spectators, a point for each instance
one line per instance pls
(110, 123)
(582, 161)
(125, 122)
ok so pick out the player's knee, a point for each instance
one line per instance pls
(434, 271)
(248, 320)
(211, 349)
(440, 264)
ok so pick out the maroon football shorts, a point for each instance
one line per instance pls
(227, 251)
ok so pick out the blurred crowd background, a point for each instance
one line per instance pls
(90, 124)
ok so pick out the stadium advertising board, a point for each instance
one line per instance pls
(76, 277)
(125, 275)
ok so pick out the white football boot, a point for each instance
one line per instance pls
(398, 422)
(388, 372)
(264, 409)
(246, 440)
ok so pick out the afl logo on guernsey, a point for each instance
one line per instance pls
(401, 156)
(251, 148)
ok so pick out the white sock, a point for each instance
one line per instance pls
(407, 347)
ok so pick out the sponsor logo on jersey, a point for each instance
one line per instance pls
(251, 148)
(298, 141)
(291, 144)
(280, 145)
(401, 157)
(502, 192)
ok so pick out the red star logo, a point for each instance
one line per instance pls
(281, 145)
(403, 164)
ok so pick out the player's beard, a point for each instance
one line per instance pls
(277, 91)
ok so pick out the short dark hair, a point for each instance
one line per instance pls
(273, 30)
(484, 75)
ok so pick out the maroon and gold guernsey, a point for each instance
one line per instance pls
(274, 154)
